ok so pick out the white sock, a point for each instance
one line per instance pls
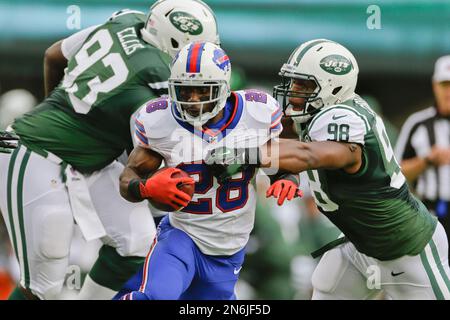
(93, 291)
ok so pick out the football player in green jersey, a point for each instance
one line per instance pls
(391, 242)
(64, 170)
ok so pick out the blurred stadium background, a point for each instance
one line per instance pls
(396, 63)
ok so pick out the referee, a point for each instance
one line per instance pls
(423, 147)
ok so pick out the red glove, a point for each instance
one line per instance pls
(284, 189)
(162, 188)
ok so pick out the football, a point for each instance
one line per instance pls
(187, 188)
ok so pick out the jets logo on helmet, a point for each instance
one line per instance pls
(185, 22)
(221, 59)
(336, 64)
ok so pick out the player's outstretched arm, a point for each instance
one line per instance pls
(54, 64)
(295, 156)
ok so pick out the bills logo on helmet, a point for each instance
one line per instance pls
(221, 60)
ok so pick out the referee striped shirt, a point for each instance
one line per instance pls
(420, 132)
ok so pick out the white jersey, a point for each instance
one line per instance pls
(220, 216)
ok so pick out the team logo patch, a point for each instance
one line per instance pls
(221, 60)
(186, 22)
(336, 64)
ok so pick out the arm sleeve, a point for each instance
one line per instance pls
(73, 43)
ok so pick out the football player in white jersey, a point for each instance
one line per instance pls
(199, 250)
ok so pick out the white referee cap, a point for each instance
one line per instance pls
(442, 69)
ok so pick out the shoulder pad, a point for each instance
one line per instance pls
(260, 105)
(339, 123)
(157, 119)
(124, 12)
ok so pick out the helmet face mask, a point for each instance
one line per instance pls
(171, 24)
(306, 90)
(199, 83)
(197, 101)
(328, 72)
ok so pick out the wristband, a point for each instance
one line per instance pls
(134, 189)
(285, 176)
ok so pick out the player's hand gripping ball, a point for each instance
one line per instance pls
(171, 198)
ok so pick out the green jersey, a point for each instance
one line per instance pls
(373, 207)
(86, 119)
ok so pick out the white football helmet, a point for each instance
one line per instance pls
(329, 65)
(202, 65)
(171, 24)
